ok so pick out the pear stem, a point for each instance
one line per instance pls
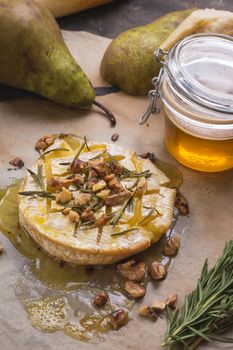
(108, 113)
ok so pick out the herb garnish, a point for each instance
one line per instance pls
(208, 309)
(81, 148)
(121, 211)
(152, 210)
(124, 232)
(53, 150)
(42, 194)
(38, 178)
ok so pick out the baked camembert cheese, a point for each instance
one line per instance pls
(93, 203)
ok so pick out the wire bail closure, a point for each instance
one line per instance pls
(154, 94)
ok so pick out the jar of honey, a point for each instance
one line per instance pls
(196, 87)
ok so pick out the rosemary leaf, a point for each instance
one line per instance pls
(42, 194)
(81, 148)
(38, 178)
(53, 150)
(148, 215)
(119, 214)
(124, 232)
(208, 309)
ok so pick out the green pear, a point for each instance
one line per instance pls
(129, 61)
(34, 56)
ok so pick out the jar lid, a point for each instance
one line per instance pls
(200, 67)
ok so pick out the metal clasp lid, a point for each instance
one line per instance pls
(154, 94)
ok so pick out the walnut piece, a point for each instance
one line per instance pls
(135, 290)
(116, 199)
(114, 137)
(74, 217)
(116, 168)
(172, 301)
(103, 194)
(157, 270)
(44, 142)
(82, 199)
(66, 211)
(64, 196)
(100, 166)
(109, 177)
(181, 204)
(17, 162)
(148, 311)
(115, 185)
(100, 185)
(132, 271)
(118, 318)
(158, 306)
(87, 215)
(58, 183)
(100, 299)
(77, 166)
(101, 221)
(172, 246)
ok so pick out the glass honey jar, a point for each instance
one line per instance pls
(196, 87)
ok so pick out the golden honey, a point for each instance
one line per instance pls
(198, 153)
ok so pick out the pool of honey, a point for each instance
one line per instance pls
(57, 296)
(197, 153)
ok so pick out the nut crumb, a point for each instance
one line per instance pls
(17, 162)
(118, 318)
(172, 246)
(135, 290)
(44, 142)
(132, 271)
(172, 301)
(181, 204)
(148, 155)
(100, 299)
(115, 137)
(157, 271)
(147, 311)
(158, 306)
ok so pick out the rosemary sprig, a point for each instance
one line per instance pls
(151, 212)
(124, 232)
(208, 309)
(53, 150)
(38, 178)
(42, 194)
(119, 214)
(81, 148)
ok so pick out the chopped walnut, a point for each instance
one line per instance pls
(172, 246)
(132, 271)
(100, 185)
(74, 216)
(135, 290)
(66, 211)
(44, 142)
(117, 198)
(157, 271)
(100, 299)
(77, 179)
(92, 175)
(114, 137)
(118, 318)
(82, 199)
(64, 196)
(103, 194)
(17, 162)
(1, 248)
(101, 221)
(116, 168)
(109, 177)
(141, 186)
(159, 306)
(58, 183)
(77, 166)
(116, 186)
(181, 204)
(148, 155)
(172, 301)
(100, 166)
(148, 311)
(88, 215)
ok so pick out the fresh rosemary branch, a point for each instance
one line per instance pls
(124, 232)
(42, 194)
(81, 148)
(208, 309)
(119, 214)
(53, 150)
(38, 178)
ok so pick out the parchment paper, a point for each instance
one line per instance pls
(207, 228)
